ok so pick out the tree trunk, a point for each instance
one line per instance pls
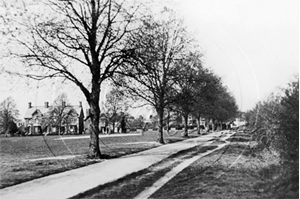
(208, 125)
(186, 117)
(213, 125)
(59, 129)
(113, 127)
(168, 122)
(160, 126)
(198, 125)
(94, 149)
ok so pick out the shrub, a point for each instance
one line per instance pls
(11, 128)
(276, 126)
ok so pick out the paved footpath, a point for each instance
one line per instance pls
(73, 182)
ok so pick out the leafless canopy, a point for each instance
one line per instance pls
(151, 73)
(79, 40)
(83, 41)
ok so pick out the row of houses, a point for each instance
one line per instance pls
(35, 121)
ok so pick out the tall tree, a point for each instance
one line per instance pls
(221, 106)
(187, 83)
(225, 108)
(115, 105)
(8, 114)
(151, 73)
(206, 93)
(81, 41)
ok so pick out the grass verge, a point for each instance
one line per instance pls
(232, 172)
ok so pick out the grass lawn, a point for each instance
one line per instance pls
(232, 172)
(19, 155)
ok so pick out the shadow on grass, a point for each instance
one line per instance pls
(239, 139)
(131, 185)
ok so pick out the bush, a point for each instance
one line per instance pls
(288, 131)
(276, 126)
(11, 128)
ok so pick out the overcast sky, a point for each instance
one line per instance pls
(252, 44)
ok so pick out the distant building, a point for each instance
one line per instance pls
(35, 116)
(103, 123)
(240, 120)
(176, 120)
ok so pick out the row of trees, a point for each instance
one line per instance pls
(194, 91)
(88, 42)
(165, 70)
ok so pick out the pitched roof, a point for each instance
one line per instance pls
(44, 110)
(31, 110)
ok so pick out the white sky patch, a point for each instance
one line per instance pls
(252, 44)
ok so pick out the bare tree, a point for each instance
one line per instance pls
(81, 41)
(151, 74)
(60, 114)
(115, 106)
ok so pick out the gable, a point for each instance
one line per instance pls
(41, 111)
(35, 110)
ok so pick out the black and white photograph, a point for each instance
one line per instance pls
(149, 99)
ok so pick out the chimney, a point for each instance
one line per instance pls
(29, 105)
(46, 104)
(80, 104)
(64, 104)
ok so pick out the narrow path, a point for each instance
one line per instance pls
(168, 176)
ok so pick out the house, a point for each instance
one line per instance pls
(103, 122)
(36, 116)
